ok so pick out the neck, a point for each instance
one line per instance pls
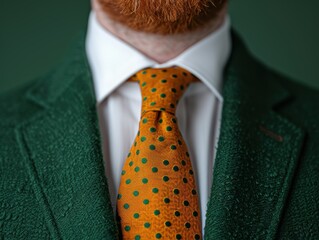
(159, 48)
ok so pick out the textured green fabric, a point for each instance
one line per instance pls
(266, 176)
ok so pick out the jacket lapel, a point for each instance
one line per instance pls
(62, 151)
(257, 154)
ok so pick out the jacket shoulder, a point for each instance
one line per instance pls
(296, 87)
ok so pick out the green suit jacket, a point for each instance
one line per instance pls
(266, 176)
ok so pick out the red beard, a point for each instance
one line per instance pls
(163, 16)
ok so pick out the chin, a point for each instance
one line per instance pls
(163, 16)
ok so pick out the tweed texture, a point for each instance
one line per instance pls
(266, 175)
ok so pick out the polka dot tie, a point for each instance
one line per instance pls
(157, 195)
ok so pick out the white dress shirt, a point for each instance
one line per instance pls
(113, 61)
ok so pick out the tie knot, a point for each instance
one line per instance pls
(162, 88)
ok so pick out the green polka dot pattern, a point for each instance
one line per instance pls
(157, 195)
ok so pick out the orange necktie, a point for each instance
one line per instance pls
(157, 196)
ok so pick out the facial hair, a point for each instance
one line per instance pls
(163, 16)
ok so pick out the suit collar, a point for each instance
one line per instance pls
(50, 87)
(240, 65)
(256, 158)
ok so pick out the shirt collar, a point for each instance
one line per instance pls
(113, 61)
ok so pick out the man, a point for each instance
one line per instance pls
(241, 162)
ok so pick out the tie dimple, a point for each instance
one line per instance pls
(157, 195)
(161, 89)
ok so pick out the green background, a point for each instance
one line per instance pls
(36, 34)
